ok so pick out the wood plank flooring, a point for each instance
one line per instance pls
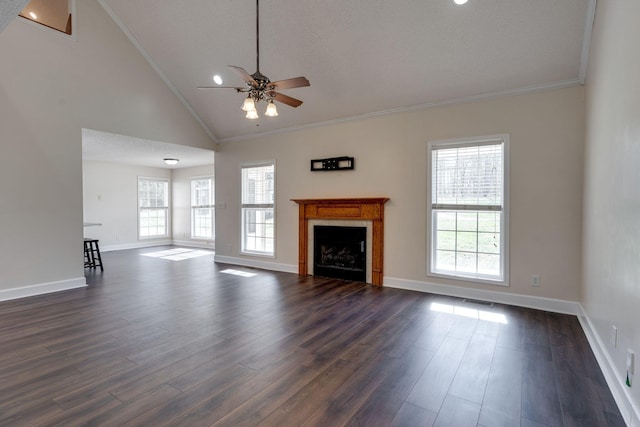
(181, 343)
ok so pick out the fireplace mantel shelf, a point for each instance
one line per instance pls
(362, 208)
(360, 200)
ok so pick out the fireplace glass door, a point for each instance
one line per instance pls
(340, 252)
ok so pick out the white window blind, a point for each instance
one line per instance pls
(468, 177)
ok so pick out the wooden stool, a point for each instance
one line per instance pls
(92, 258)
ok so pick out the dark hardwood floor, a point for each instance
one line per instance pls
(156, 342)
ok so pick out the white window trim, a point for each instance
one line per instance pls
(472, 141)
(212, 206)
(168, 181)
(275, 214)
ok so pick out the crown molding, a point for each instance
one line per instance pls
(475, 98)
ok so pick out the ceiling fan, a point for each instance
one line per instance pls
(260, 88)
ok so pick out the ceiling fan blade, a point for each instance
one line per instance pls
(291, 83)
(245, 76)
(292, 102)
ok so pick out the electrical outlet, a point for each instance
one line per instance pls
(535, 280)
(614, 336)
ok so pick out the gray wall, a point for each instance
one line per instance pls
(546, 132)
(50, 88)
(611, 263)
(111, 199)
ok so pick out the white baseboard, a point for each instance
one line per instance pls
(136, 245)
(151, 243)
(250, 262)
(630, 412)
(204, 244)
(42, 288)
(540, 303)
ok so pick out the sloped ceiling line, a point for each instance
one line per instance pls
(586, 41)
(543, 67)
(153, 65)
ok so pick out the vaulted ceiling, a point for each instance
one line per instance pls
(362, 57)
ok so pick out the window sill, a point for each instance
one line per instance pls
(258, 254)
(153, 237)
(484, 281)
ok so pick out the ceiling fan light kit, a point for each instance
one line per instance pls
(248, 104)
(272, 110)
(258, 87)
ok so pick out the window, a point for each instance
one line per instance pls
(468, 208)
(258, 216)
(153, 207)
(202, 225)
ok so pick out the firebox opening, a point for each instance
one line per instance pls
(340, 252)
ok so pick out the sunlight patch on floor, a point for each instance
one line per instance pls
(238, 272)
(178, 254)
(473, 313)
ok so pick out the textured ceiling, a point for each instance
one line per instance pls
(108, 147)
(362, 57)
(9, 9)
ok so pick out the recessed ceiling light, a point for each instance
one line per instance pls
(460, 2)
(33, 15)
(217, 79)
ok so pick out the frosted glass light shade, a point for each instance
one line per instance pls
(248, 104)
(272, 110)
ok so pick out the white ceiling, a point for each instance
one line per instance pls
(108, 147)
(362, 57)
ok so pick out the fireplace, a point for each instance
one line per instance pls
(340, 252)
(365, 212)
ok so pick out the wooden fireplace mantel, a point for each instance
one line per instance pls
(367, 209)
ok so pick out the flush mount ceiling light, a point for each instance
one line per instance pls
(171, 162)
(460, 2)
(217, 79)
(258, 87)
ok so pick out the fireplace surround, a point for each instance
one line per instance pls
(346, 209)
